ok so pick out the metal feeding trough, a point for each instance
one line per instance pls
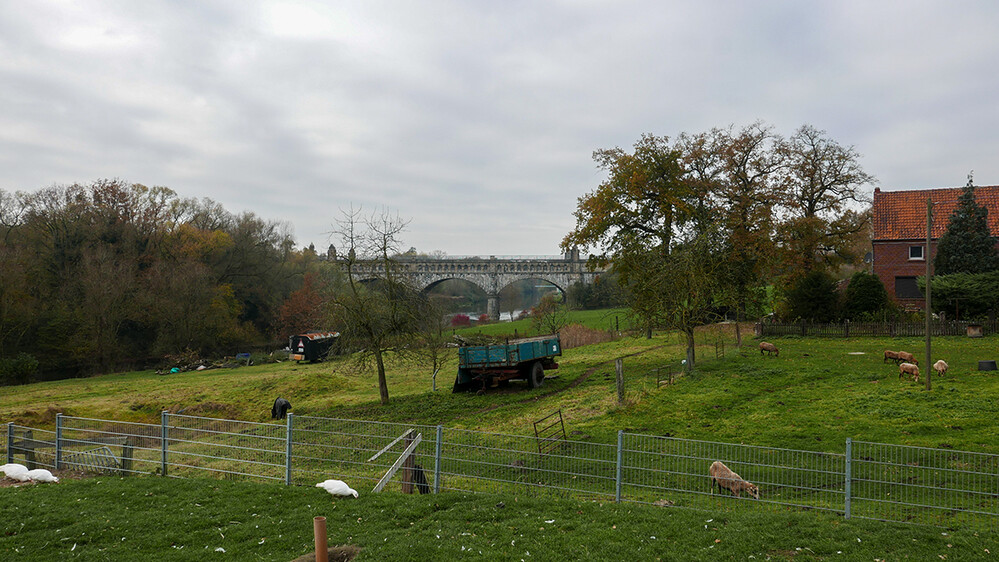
(986, 365)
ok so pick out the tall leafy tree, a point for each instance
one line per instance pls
(639, 205)
(682, 291)
(635, 213)
(967, 245)
(823, 179)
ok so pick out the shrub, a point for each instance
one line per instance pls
(865, 295)
(18, 370)
(460, 320)
(813, 297)
(577, 335)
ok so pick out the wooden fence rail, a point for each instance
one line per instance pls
(848, 329)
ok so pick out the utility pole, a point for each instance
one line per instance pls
(929, 282)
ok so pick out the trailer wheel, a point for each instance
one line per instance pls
(536, 377)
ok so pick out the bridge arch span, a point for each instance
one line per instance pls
(492, 275)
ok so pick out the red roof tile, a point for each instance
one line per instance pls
(901, 215)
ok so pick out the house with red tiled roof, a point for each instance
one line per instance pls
(899, 233)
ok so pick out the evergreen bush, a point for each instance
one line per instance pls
(967, 246)
(18, 370)
(865, 296)
(814, 297)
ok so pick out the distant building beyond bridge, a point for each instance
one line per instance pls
(490, 274)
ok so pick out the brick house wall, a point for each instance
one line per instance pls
(895, 269)
(899, 224)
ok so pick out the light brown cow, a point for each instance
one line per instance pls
(769, 348)
(723, 476)
(908, 369)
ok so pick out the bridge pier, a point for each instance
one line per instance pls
(492, 307)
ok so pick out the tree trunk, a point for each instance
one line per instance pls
(382, 383)
(738, 333)
(690, 349)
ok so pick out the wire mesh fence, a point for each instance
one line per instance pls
(869, 480)
(676, 472)
(325, 448)
(924, 486)
(105, 446)
(848, 329)
(477, 461)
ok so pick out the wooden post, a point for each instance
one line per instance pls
(619, 368)
(319, 534)
(127, 452)
(407, 469)
(929, 283)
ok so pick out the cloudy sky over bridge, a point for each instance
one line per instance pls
(474, 119)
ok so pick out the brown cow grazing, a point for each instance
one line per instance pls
(728, 480)
(769, 348)
(893, 355)
(908, 369)
(907, 357)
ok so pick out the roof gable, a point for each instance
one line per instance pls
(901, 215)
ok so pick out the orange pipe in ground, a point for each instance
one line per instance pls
(319, 530)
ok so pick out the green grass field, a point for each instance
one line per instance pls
(812, 397)
(169, 519)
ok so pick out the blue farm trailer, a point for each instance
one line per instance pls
(484, 366)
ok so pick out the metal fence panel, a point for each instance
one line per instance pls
(671, 471)
(477, 461)
(124, 448)
(34, 448)
(925, 486)
(325, 448)
(886, 482)
(235, 449)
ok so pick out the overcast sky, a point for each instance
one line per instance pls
(475, 120)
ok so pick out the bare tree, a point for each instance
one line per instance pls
(372, 304)
(550, 316)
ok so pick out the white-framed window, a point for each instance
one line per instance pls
(915, 252)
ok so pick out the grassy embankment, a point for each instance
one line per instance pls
(814, 396)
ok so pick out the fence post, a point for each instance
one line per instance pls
(437, 459)
(58, 440)
(287, 452)
(849, 477)
(10, 442)
(619, 371)
(164, 428)
(617, 477)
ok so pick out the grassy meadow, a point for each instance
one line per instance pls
(813, 396)
(170, 519)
